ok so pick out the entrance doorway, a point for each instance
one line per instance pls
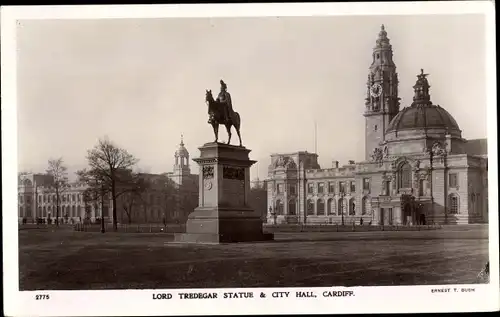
(407, 215)
(422, 219)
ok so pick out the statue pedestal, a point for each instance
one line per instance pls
(223, 214)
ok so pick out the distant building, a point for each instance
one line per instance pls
(37, 200)
(170, 197)
(417, 169)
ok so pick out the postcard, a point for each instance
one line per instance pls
(249, 159)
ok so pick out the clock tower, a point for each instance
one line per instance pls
(382, 102)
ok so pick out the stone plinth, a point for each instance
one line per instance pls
(223, 214)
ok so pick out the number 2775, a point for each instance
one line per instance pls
(41, 297)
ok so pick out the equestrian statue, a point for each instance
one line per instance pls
(220, 111)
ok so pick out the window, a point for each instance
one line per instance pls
(21, 199)
(321, 207)
(310, 207)
(366, 184)
(375, 128)
(64, 198)
(310, 188)
(292, 189)
(364, 205)
(352, 207)
(279, 207)
(453, 204)
(353, 187)
(21, 211)
(330, 205)
(39, 199)
(321, 188)
(331, 187)
(292, 207)
(453, 180)
(342, 187)
(421, 187)
(73, 198)
(28, 199)
(405, 176)
(279, 188)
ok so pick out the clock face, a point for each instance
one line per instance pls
(208, 185)
(376, 90)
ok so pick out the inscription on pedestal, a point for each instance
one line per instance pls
(230, 172)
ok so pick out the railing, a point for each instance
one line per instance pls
(133, 228)
(336, 227)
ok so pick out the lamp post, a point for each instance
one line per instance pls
(342, 195)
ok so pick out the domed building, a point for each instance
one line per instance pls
(418, 169)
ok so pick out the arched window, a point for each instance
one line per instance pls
(454, 204)
(79, 211)
(279, 207)
(341, 207)
(321, 207)
(39, 211)
(310, 207)
(292, 207)
(330, 207)
(73, 212)
(352, 207)
(44, 212)
(405, 176)
(364, 205)
(21, 211)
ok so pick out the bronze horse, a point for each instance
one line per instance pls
(216, 117)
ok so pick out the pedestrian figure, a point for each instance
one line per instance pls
(361, 221)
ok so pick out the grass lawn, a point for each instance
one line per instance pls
(64, 260)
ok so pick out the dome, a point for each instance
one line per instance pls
(181, 150)
(423, 117)
(422, 114)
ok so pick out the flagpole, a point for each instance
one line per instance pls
(315, 137)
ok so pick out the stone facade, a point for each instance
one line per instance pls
(170, 197)
(417, 168)
(37, 200)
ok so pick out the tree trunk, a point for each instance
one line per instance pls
(113, 196)
(57, 206)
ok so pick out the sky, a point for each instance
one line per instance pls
(141, 83)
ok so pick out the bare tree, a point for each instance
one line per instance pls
(134, 196)
(96, 190)
(59, 173)
(113, 165)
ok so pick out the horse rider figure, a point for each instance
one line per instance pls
(224, 98)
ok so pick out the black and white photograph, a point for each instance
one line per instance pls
(225, 162)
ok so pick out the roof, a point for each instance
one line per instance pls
(423, 116)
(476, 147)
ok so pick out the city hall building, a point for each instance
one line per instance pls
(417, 167)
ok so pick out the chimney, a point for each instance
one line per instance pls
(335, 164)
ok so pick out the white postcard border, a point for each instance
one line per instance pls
(140, 302)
